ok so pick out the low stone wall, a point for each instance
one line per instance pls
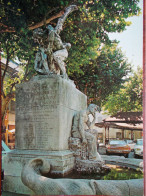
(80, 186)
(32, 177)
(123, 162)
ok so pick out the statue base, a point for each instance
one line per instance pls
(62, 163)
(45, 107)
(91, 167)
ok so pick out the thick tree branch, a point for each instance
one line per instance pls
(6, 28)
(10, 29)
(7, 98)
(46, 21)
(5, 103)
(7, 63)
(10, 94)
(39, 24)
(26, 71)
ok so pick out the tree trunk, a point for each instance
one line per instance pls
(5, 104)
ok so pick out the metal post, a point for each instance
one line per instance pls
(105, 135)
(122, 134)
(108, 133)
(132, 135)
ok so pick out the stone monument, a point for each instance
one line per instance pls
(45, 107)
(44, 112)
(53, 132)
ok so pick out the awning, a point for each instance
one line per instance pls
(12, 131)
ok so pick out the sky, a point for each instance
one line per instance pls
(131, 40)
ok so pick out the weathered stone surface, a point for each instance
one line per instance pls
(52, 51)
(62, 162)
(33, 178)
(83, 142)
(91, 167)
(82, 129)
(123, 162)
(135, 187)
(13, 184)
(44, 112)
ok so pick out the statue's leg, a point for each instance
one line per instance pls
(59, 57)
(92, 147)
(45, 63)
(95, 133)
(37, 63)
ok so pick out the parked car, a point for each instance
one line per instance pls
(130, 143)
(118, 147)
(138, 148)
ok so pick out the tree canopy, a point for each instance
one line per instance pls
(129, 97)
(109, 15)
(102, 75)
(86, 29)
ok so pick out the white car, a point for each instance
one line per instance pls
(130, 143)
(138, 148)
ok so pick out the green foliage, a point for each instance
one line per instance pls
(123, 174)
(85, 29)
(9, 81)
(108, 13)
(91, 68)
(102, 75)
(129, 97)
(97, 71)
(22, 14)
(88, 28)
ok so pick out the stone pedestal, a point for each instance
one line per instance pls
(44, 110)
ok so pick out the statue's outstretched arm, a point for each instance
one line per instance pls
(61, 20)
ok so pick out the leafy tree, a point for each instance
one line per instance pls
(103, 75)
(11, 49)
(85, 29)
(88, 28)
(109, 15)
(129, 97)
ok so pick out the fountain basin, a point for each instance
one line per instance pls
(33, 177)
